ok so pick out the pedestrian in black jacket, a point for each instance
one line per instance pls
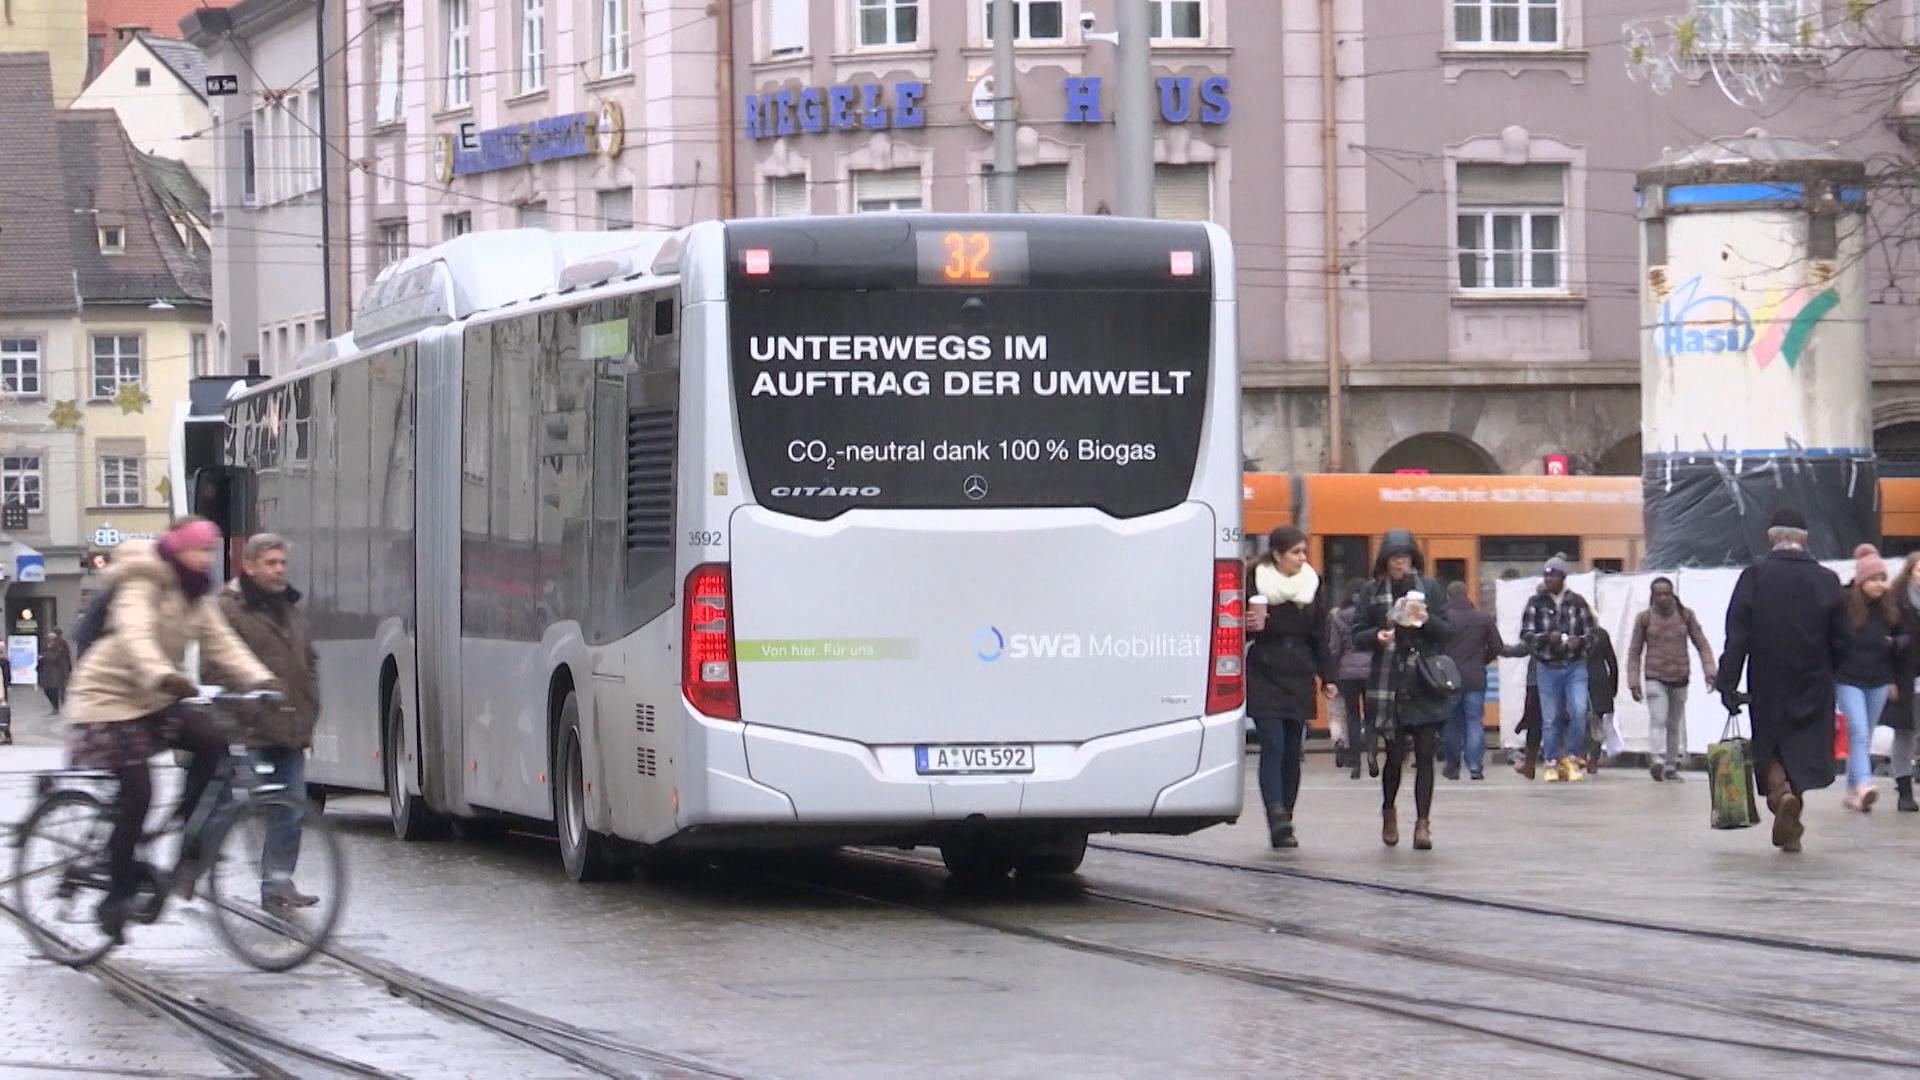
(1787, 631)
(1405, 620)
(1288, 625)
(1603, 689)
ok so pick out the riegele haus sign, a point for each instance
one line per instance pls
(813, 110)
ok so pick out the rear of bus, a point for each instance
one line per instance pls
(981, 538)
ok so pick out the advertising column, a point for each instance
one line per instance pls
(1754, 367)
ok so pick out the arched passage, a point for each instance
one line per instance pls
(1622, 460)
(1438, 452)
(1898, 446)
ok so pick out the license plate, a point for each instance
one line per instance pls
(972, 760)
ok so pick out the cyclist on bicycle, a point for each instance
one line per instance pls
(123, 703)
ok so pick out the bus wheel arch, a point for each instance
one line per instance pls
(412, 818)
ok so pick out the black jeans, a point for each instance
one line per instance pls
(1282, 742)
(1423, 741)
(55, 695)
(136, 798)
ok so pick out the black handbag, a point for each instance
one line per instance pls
(1438, 675)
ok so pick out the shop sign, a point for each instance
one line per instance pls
(552, 138)
(814, 110)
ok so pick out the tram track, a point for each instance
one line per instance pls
(1415, 892)
(1419, 1008)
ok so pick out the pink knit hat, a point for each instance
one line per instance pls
(197, 533)
(1867, 563)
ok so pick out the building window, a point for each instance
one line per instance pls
(1500, 23)
(266, 350)
(1033, 20)
(120, 481)
(887, 22)
(249, 171)
(533, 215)
(197, 354)
(387, 105)
(458, 36)
(113, 240)
(299, 340)
(452, 225)
(393, 243)
(116, 363)
(1179, 20)
(1753, 24)
(786, 27)
(143, 76)
(890, 189)
(20, 480)
(1183, 192)
(616, 208)
(533, 45)
(1040, 189)
(316, 144)
(787, 197)
(20, 367)
(1511, 228)
(292, 110)
(616, 51)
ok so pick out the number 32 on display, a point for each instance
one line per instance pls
(966, 255)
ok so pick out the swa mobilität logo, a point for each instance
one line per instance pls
(1712, 324)
(989, 644)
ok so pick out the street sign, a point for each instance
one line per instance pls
(14, 517)
(469, 138)
(29, 568)
(1557, 465)
(222, 85)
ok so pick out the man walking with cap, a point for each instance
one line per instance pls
(1787, 628)
(1558, 626)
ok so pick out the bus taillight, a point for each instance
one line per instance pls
(707, 639)
(1227, 678)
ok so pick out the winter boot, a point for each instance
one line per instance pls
(1423, 835)
(1280, 827)
(1907, 805)
(1527, 766)
(1390, 827)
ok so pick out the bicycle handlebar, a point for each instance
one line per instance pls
(266, 697)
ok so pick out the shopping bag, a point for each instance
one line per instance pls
(1730, 780)
(1337, 720)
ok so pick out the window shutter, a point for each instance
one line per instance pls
(388, 108)
(1183, 192)
(1041, 189)
(1511, 185)
(787, 196)
(888, 184)
(787, 27)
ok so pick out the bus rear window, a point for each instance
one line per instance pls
(936, 398)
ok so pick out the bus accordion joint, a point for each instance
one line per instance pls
(1226, 672)
(707, 636)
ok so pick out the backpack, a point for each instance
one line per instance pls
(93, 623)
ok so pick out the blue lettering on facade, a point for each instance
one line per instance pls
(514, 145)
(1684, 328)
(814, 110)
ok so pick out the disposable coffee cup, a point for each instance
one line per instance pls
(1257, 607)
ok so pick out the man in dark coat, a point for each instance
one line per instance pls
(56, 667)
(1787, 629)
(261, 608)
(1475, 644)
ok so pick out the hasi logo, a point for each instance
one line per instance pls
(1692, 324)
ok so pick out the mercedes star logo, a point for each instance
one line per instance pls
(975, 487)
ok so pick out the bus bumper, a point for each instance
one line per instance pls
(754, 775)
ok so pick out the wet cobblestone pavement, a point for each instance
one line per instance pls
(1597, 929)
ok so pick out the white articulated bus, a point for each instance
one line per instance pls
(901, 529)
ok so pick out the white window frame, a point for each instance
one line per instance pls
(458, 30)
(774, 184)
(1524, 10)
(316, 142)
(122, 479)
(1717, 20)
(15, 472)
(600, 210)
(1485, 254)
(22, 361)
(1163, 21)
(1023, 22)
(800, 10)
(456, 224)
(249, 166)
(616, 38)
(294, 133)
(533, 215)
(392, 238)
(533, 46)
(892, 8)
(113, 240)
(126, 367)
(197, 354)
(387, 70)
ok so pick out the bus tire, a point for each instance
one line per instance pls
(588, 855)
(412, 820)
(1057, 857)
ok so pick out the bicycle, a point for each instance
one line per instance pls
(61, 869)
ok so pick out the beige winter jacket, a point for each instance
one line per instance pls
(149, 626)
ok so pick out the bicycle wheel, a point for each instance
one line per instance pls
(60, 875)
(273, 915)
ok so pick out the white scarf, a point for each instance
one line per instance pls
(1278, 588)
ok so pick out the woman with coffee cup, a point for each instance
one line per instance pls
(1287, 624)
(1404, 620)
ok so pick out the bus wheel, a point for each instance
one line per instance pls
(412, 820)
(976, 859)
(588, 855)
(1057, 857)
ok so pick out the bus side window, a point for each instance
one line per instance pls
(1610, 566)
(652, 465)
